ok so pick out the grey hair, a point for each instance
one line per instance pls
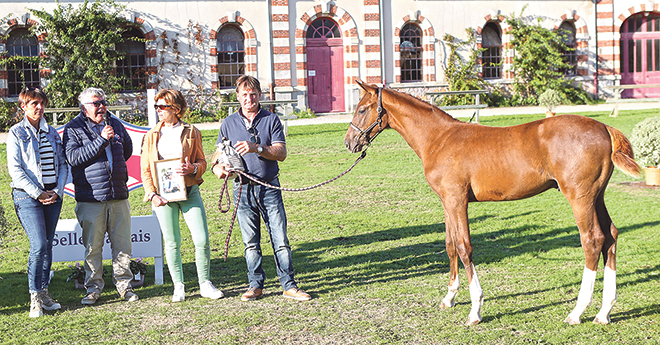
(89, 93)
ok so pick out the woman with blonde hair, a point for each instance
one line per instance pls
(172, 138)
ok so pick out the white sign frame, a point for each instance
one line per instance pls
(146, 238)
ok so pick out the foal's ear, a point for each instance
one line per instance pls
(366, 87)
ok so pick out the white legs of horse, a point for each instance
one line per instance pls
(452, 291)
(586, 294)
(476, 296)
(609, 297)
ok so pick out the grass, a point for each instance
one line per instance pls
(370, 249)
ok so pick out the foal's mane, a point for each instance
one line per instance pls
(419, 105)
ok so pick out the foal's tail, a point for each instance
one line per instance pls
(622, 153)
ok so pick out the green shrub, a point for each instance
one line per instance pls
(645, 140)
(199, 116)
(550, 98)
(304, 113)
(8, 115)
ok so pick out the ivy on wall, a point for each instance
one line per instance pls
(80, 48)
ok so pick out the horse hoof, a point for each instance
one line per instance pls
(598, 321)
(447, 304)
(570, 321)
(472, 322)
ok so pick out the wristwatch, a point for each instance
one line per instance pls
(260, 149)
(195, 171)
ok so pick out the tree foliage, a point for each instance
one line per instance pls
(538, 59)
(80, 50)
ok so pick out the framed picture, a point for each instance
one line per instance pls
(171, 185)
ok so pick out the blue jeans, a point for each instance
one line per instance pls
(39, 222)
(256, 202)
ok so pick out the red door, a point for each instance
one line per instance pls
(325, 67)
(640, 55)
(319, 79)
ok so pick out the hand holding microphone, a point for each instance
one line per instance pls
(108, 132)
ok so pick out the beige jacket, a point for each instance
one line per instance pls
(191, 141)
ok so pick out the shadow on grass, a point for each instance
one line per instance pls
(402, 262)
(223, 275)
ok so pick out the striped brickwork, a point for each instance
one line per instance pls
(581, 40)
(428, 46)
(281, 47)
(349, 36)
(250, 44)
(507, 49)
(608, 39)
(150, 49)
(609, 31)
(26, 22)
(13, 23)
(371, 41)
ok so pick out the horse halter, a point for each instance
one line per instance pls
(378, 122)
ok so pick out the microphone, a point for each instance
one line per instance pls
(106, 118)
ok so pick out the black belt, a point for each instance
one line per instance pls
(254, 183)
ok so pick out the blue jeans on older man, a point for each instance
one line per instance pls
(258, 201)
(39, 222)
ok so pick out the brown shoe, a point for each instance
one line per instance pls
(251, 294)
(297, 294)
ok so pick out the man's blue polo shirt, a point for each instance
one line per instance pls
(269, 130)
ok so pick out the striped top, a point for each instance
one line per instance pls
(47, 160)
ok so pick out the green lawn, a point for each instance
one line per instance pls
(370, 249)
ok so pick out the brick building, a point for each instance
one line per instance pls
(313, 51)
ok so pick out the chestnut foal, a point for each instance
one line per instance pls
(466, 162)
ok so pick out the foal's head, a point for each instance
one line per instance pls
(368, 121)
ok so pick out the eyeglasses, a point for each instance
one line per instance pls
(254, 135)
(162, 106)
(98, 103)
(32, 88)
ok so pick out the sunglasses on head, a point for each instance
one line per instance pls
(32, 88)
(162, 106)
(98, 103)
(254, 135)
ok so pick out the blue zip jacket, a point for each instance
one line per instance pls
(90, 168)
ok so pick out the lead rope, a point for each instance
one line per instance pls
(241, 174)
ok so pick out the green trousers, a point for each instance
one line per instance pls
(195, 217)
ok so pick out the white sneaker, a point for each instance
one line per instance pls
(35, 305)
(206, 289)
(179, 292)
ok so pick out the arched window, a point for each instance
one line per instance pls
(323, 28)
(640, 44)
(491, 57)
(133, 66)
(567, 32)
(22, 74)
(411, 53)
(231, 56)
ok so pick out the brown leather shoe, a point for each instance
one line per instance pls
(297, 294)
(251, 294)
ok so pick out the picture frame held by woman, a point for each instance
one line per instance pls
(171, 185)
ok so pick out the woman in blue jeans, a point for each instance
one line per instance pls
(38, 170)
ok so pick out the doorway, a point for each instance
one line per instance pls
(325, 67)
